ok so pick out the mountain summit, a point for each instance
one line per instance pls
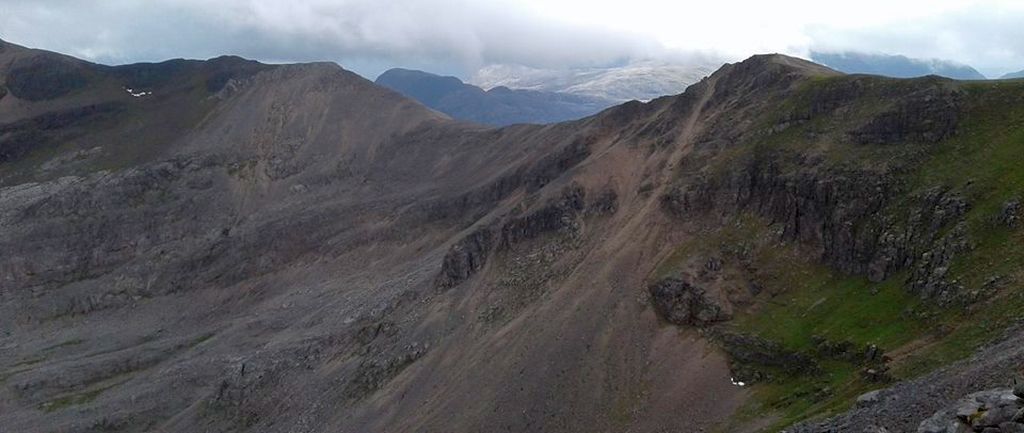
(225, 245)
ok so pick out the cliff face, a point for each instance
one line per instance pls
(889, 184)
(228, 246)
(844, 209)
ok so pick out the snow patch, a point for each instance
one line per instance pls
(138, 94)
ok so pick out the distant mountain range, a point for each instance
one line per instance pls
(1018, 74)
(894, 65)
(642, 80)
(231, 246)
(498, 106)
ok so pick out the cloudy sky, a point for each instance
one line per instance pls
(459, 36)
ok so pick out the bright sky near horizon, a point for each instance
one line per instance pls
(459, 36)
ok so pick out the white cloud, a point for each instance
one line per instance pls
(458, 36)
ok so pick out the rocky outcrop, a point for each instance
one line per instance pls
(605, 203)
(848, 351)
(374, 372)
(470, 254)
(927, 116)
(993, 411)
(465, 258)
(845, 213)
(472, 204)
(812, 205)
(825, 98)
(755, 359)
(904, 405)
(929, 272)
(1009, 217)
(681, 303)
(556, 215)
(925, 110)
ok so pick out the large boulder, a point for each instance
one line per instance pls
(1010, 215)
(682, 303)
(869, 398)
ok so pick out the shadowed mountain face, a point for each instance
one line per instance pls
(894, 66)
(499, 106)
(231, 246)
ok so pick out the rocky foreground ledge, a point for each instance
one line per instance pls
(992, 411)
(980, 394)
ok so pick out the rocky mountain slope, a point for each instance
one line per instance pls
(231, 246)
(894, 66)
(638, 80)
(499, 106)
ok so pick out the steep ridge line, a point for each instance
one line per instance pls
(293, 237)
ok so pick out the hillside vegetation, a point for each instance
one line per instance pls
(224, 245)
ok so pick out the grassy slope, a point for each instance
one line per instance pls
(803, 299)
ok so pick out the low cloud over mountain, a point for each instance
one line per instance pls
(894, 65)
(458, 37)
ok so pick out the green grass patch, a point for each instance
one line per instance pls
(836, 307)
(69, 400)
(803, 299)
(200, 339)
(796, 398)
(982, 163)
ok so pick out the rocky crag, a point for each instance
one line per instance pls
(230, 246)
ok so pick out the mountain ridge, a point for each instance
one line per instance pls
(1011, 75)
(897, 66)
(306, 248)
(498, 107)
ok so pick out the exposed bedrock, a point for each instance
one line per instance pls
(848, 214)
(992, 411)
(755, 358)
(556, 215)
(926, 116)
(472, 204)
(469, 254)
(681, 303)
(465, 257)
